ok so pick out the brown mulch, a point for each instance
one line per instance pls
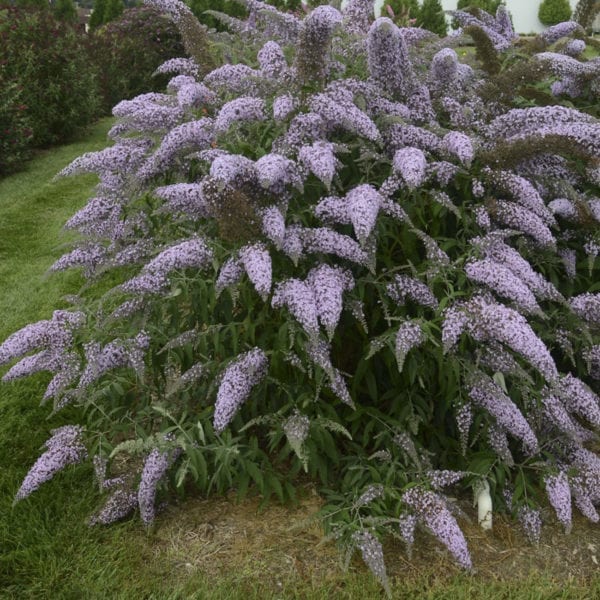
(219, 536)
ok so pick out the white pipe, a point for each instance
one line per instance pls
(484, 504)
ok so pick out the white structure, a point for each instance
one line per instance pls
(524, 12)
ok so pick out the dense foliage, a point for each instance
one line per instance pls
(105, 11)
(347, 253)
(15, 130)
(586, 11)
(44, 69)
(431, 17)
(128, 50)
(65, 10)
(490, 6)
(552, 12)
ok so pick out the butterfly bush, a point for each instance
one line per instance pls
(338, 252)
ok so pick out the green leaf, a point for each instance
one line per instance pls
(256, 475)
(333, 426)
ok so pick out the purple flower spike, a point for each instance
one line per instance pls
(154, 470)
(559, 496)
(242, 109)
(272, 60)
(388, 60)
(358, 15)
(257, 263)
(578, 398)
(193, 253)
(458, 144)
(488, 395)
(431, 510)
(64, 448)
(531, 521)
(409, 336)
(372, 553)
(407, 287)
(230, 274)
(364, 202)
(587, 306)
(238, 379)
(411, 164)
(319, 158)
(328, 285)
(119, 504)
(300, 299)
(273, 225)
(322, 239)
(504, 282)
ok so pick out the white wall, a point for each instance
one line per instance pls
(524, 12)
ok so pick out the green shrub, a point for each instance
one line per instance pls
(431, 16)
(490, 6)
(229, 7)
(97, 17)
(47, 60)
(552, 12)
(65, 10)
(15, 132)
(128, 51)
(113, 10)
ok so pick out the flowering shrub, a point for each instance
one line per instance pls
(45, 60)
(345, 260)
(128, 50)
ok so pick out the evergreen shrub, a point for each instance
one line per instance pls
(552, 12)
(347, 262)
(431, 17)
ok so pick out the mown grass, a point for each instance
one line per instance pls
(47, 549)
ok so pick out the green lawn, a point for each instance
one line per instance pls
(46, 548)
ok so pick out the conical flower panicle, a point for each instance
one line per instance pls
(503, 281)
(314, 40)
(296, 429)
(410, 163)
(388, 60)
(237, 381)
(320, 159)
(328, 285)
(431, 511)
(257, 263)
(155, 468)
(485, 393)
(364, 202)
(559, 496)
(372, 553)
(299, 297)
(409, 336)
(358, 15)
(63, 448)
